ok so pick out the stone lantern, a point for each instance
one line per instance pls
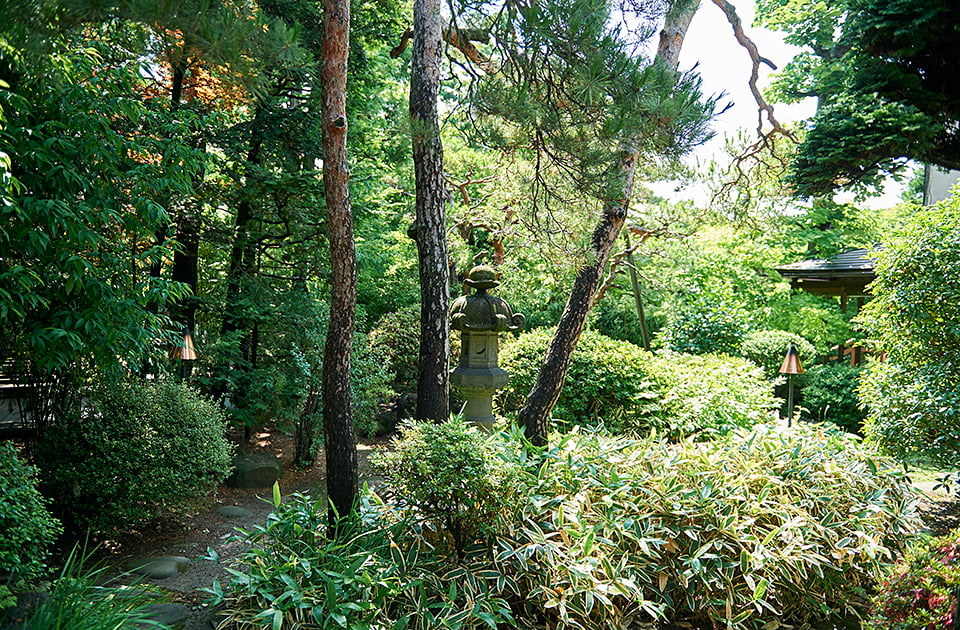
(480, 318)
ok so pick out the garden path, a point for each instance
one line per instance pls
(213, 526)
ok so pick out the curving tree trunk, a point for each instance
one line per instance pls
(340, 443)
(429, 229)
(536, 411)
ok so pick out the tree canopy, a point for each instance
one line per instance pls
(884, 73)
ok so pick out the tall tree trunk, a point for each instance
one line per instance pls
(429, 230)
(340, 442)
(536, 411)
(242, 251)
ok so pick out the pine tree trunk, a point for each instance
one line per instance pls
(340, 443)
(536, 411)
(535, 414)
(429, 230)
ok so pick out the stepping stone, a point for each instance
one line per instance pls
(259, 470)
(166, 614)
(233, 511)
(158, 568)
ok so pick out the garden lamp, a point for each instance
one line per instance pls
(184, 351)
(791, 366)
(480, 318)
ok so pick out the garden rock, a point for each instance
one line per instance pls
(158, 568)
(259, 470)
(234, 511)
(165, 614)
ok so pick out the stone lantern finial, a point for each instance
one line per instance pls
(479, 318)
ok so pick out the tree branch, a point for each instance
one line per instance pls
(756, 59)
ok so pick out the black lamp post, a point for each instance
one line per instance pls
(184, 351)
(791, 366)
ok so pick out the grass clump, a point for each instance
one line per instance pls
(82, 599)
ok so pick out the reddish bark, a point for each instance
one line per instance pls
(340, 442)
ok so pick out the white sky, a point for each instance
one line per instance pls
(725, 67)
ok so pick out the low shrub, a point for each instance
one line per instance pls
(376, 575)
(449, 475)
(26, 528)
(920, 593)
(708, 395)
(607, 380)
(134, 450)
(914, 411)
(771, 525)
(767, 348)
(630, 390)
(830, 395)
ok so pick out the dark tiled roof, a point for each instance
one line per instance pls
(854, 262)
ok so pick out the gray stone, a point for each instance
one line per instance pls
(158, 568)
(259, 470)
(233, 511)
(166, 614)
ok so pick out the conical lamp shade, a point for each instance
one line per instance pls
(185, 351)
(791, 362)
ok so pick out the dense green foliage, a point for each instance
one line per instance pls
(920, 591)
(26, 528)
(708, 395)
(767, 525)
(80, 207)
(914, 398)
(830, 395)
(704, 325)
(133, 450)
(396, 335)
(882, 72)
(767, 348)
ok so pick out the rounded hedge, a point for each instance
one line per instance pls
(709, 395)
(767, 348)
(633, 391)
(26, 528)
(704, 326)
(134, 449)
(607, 381)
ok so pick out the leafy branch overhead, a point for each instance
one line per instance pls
(885, 76)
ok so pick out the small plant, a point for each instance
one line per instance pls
(921, 592)
(830, 395)
(26, 528)
(135, 449)
(449, 475)
(82, 600)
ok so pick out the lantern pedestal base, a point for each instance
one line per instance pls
(479, 407)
